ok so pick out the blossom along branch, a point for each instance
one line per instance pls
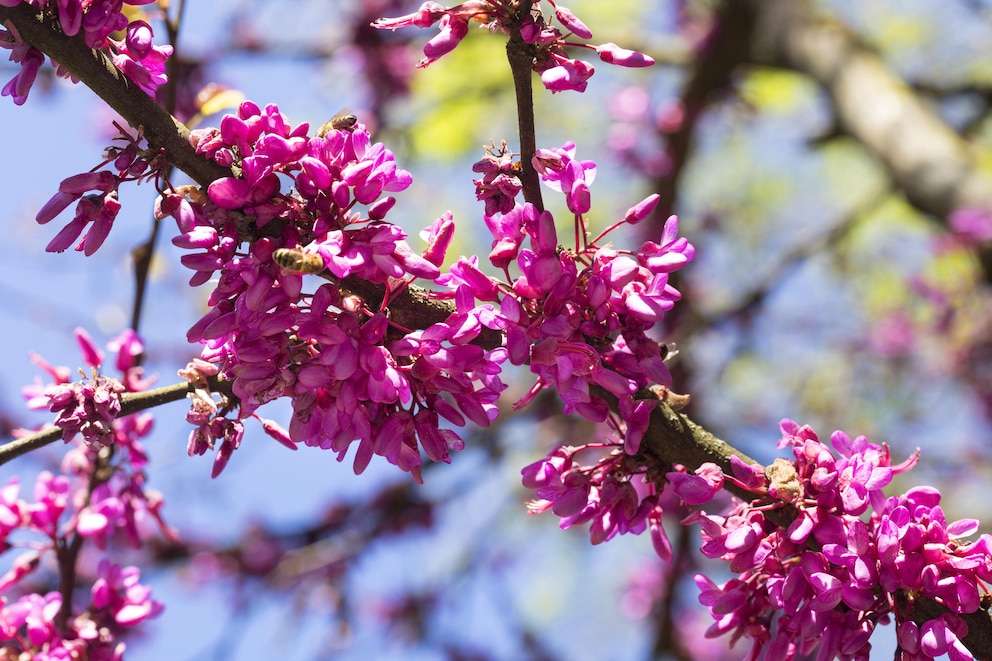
(130, 403)
(95, 69)
(822, 555)
(100, 495)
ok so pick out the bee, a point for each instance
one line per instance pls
(342, 121)
(297, 261)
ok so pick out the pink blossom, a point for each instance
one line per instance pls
(119, 591)
(698, 488)
(567, 75)
(570, 21)
(613, 54)
(91, 354)
(904, 545)
(28, 57)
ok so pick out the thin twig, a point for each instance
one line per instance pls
(142, 254)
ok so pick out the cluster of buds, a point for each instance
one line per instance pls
(96, 212)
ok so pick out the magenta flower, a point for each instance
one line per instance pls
(35, 616)
(671, 254)
(140, 60)
(136, 56)
(101, 516)
(597, 495)
(571, 21)
(558, 71)
(500, 184)
(28, 57)
(698, 488)
(89, 407)
(567, 75)
(99, 210)
(438, 237)
(833, 597)
(119, 592)
(613, 54)
(562, 173)
(453, 30)
(428, 14)
(453, 24)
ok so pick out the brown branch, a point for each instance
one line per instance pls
(96, 71)
(131, 402)
(143, 253)
(521, 58)
(68, 553)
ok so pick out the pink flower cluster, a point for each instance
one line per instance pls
(96, 212)
(112, 504)
(90, 406)
(579, 316)
(616, 494)
(558, 71)
(77, 504)
(500, 183)
(352, 374)
(96, 20)
(833, 574)
(29, 625)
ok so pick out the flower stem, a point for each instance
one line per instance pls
(521, 58)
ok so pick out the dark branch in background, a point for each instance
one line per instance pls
(926, 159)
(726, 48)
(669, 641)
(68, 553)
(791, 259)
(98, 73)
(142, 254)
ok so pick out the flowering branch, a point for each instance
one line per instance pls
(96, 71)
(131, 402)
(814, 565)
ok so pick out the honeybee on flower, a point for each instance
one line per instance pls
(343, 120)
(295, 260)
